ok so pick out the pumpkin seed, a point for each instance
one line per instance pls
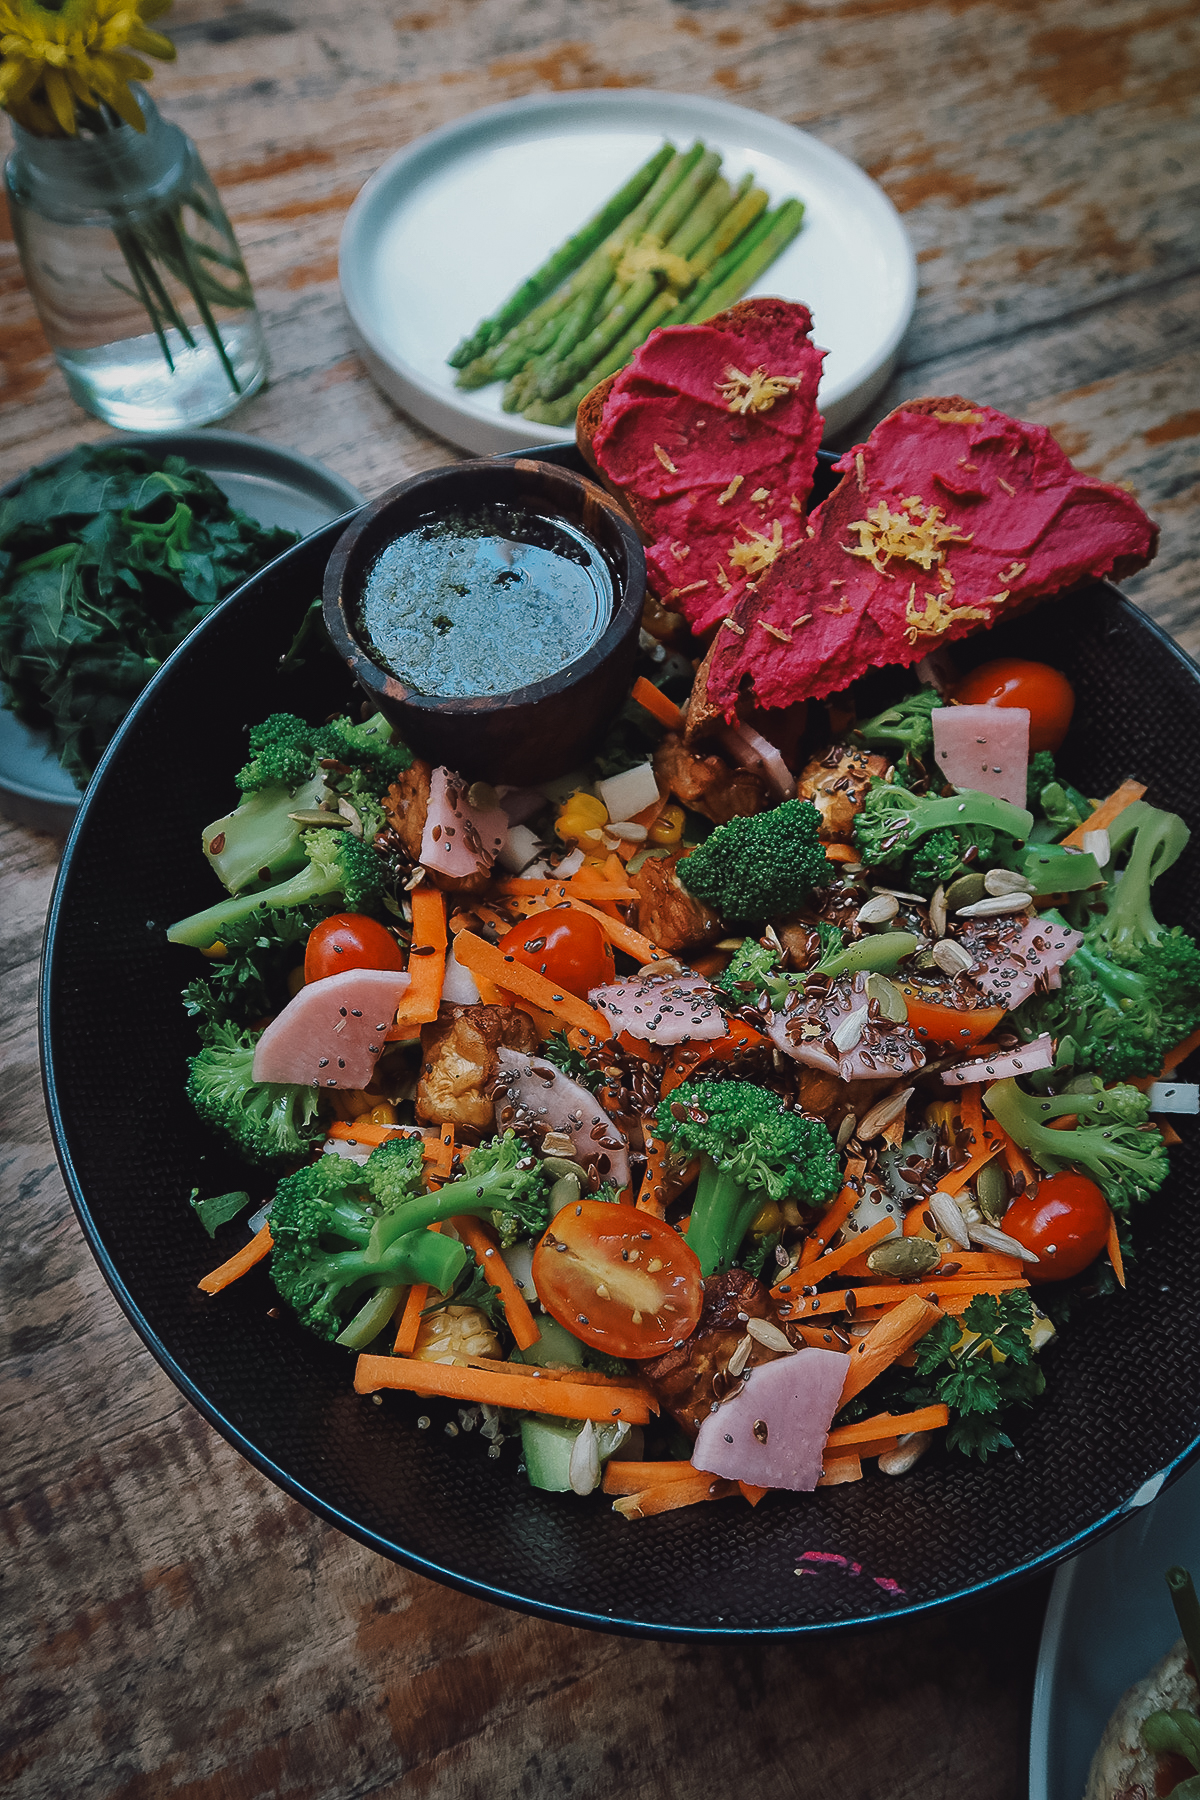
(887, 997)
(562, 1165)
(964, 892)
(903, 1257)
(482, 796)
(565, 1192)
(991, 1191)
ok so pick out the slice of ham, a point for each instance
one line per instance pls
(1038, 1054)
(331, 1034)
(1011, 957)
(534, 1096)
(807, 1027)
(771, 1432)
(662, 1009)
(459, 839)
(985, 748)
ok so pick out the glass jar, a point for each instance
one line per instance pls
(136, 274)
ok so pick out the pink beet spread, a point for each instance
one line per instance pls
(994, 515)
(772, 1432)
(332, 1033)
(674, 436)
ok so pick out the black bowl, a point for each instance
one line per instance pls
(1123, 1397)
(531, 733)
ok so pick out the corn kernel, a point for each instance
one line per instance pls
(581, 813)
(767, 1219)
(668, 827)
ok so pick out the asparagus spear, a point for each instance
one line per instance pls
(751, 237)
(507, 356)
(786, 224)
(563, 374)
(567, 257)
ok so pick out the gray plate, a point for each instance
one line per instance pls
(275, 486)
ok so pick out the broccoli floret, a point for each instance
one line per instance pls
(393, 1172)
(903, 729)
(265, 1119)
(895, 827)
(760, 866)
(501, 1176)
(755, 967)
(1059, 806)
(327, 1260)
(1111, 1143)
(259, 841)
(753, 1149)
(251, 980)
(339, 863)
(285, 749)
(1131, 992)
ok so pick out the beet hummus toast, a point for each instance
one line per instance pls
(738, 1113)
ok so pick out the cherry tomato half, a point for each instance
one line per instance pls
(1011, 681)
(940, 1024)
(618, 1279)
(1064, 1220)
(349, 941)
(565, 946)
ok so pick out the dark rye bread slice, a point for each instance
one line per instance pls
(982, 516)
(708, 438)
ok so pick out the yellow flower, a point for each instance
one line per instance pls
(85, 54)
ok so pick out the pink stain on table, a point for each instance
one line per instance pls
(830, 1559)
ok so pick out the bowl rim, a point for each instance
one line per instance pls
(1045, 1559)
(350, 550)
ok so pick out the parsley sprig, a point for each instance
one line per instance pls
(968, 1378)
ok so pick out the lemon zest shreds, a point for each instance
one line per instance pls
(647, 256)
(756, 392)
(759, 553)
(665, 460)
(724, 498)
(958, 418)
(915, 533)
(938, 615)
(86, 54)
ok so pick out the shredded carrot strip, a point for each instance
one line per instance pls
(1107, 811)
(674, 1494)
(988, 1143)
(581, 1377)
(1114, 1252)
(427, 958)
(523, 1391)
(848, 1252)
(648, 816)
(1016, 1160)
(1180, 1053)
(592, 885)
(496, 1271)
(810, 1306)
(410, 1318)
(636, 1477)
(893, 1425)
(818, 1337)
(829, 1223)
(890, 1339)
(482, 958)
(843, 853)
(347, 1132)
(259, 1246)
(657, 704)
(622, 936)
(840, 1469)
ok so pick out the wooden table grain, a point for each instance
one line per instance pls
(172, 1625)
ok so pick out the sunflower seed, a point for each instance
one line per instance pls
(312, 816)
(850, 1029)
(878, 910)
(1097, 844)
(883, 1114)
(993, 905)
(937, 911)
(350, 814)
(740, 1357)
(845, 1131)
(899, 894)
(989, 1238)
(909, 1450)
(666, 965)
(951, 958)
(947, 1216)
(1006, 881)
(769, 1336)
(628, 832)
(583, 1469)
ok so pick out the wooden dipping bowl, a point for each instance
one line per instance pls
(534, 732)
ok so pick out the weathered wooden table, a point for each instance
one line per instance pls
(171, 1624)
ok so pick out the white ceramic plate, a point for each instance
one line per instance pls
(275, 486)
(448, 227)
(1109, 1620)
